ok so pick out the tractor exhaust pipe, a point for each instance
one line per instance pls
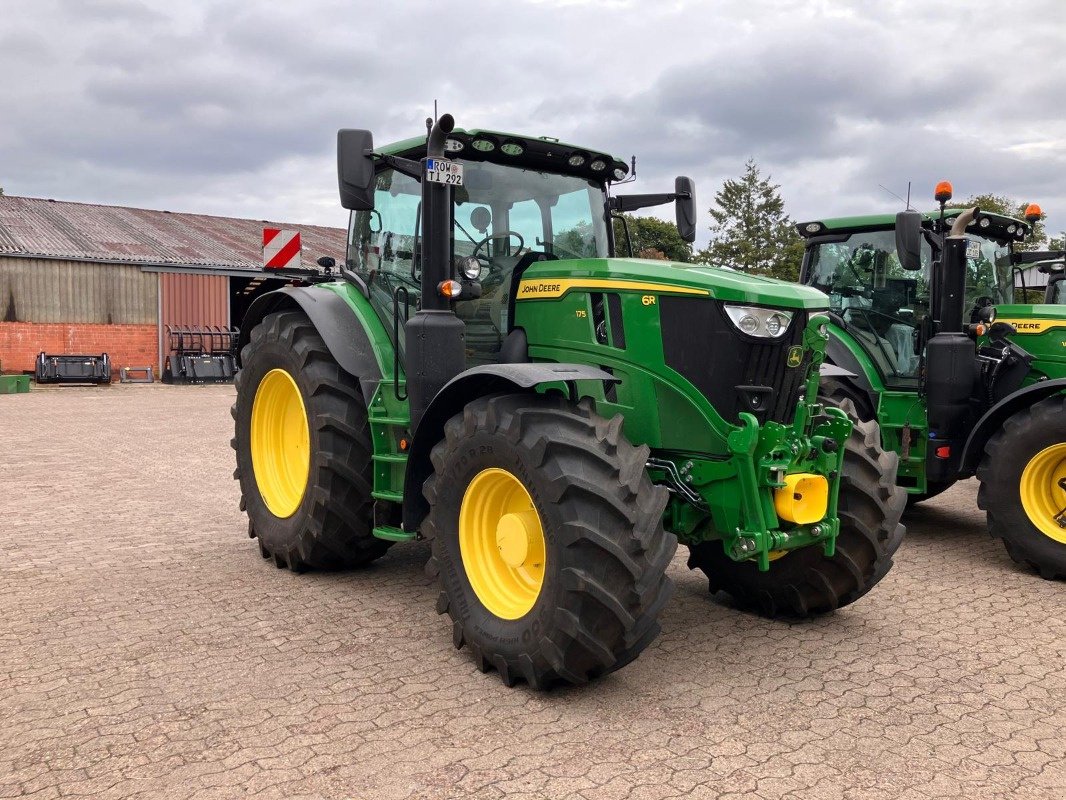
(435, 351)
(439, 132)
(963, 220)
(951, 294)
(951, 369)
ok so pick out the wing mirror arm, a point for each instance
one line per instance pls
(412, 169)
(684, 196)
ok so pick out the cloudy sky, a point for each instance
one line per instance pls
(232, 107)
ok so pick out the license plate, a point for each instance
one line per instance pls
(973, 249)
(439, 170)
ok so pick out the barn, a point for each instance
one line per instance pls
(87, 279)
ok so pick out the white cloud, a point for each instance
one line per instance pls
(231, 107)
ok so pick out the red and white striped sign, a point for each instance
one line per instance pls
(281, 248)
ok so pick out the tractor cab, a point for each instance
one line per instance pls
(521, 200)
(883, 306)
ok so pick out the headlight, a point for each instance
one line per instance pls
(766, 323)
(469, 268)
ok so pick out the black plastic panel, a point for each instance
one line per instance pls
(701, 343)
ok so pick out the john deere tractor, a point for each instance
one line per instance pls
(963, 380)
(487, 375)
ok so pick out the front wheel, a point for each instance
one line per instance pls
(547, 539)
(803, 583)
(1023, 486)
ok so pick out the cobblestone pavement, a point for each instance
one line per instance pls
(147, 650)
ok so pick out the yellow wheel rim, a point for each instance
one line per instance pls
(502, 544)
(1042, 497)
(281, 443)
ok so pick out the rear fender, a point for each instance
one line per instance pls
(993, 420)
(460, 390)
(341, 326)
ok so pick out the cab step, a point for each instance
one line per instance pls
(391, 534)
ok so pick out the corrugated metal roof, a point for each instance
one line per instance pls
(90, 232)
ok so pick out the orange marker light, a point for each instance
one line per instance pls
(943, 192)
(450, 289)
(1033, 212)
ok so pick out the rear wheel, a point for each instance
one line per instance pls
(805, 582)
(1023, 486)
(547, 539)
(303, 450)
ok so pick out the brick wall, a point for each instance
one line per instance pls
(127, 345)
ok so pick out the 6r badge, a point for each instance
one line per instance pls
(795, 356)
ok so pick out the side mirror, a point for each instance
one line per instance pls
(909, 240)
(355, 168)
(685, 207)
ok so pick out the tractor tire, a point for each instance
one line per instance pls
(804, 583)
(581, 596)
(1020, 491)
(306, 420)
(836, 392)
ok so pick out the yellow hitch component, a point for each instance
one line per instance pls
(1042, 496)
(502, 543)
(281, 443)
(803, 499)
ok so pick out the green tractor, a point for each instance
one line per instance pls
(485, 374)
(962, 379)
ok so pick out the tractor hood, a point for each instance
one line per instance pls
(548, 279)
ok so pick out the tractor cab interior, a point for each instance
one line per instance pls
(882, 304)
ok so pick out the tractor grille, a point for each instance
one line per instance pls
(701, 343)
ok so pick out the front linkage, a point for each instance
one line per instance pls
(773, 473)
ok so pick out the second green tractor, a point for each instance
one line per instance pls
(487, 375)
(963, 380)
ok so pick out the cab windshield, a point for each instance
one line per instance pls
(884, 304)
(504, 216)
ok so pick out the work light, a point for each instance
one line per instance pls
(470, 268)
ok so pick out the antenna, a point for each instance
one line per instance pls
(898, 196)
(908, 195)
(434, 109)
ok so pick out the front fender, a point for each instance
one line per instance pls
(460, 390)
(993, 419)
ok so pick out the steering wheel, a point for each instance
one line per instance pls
(500, 235)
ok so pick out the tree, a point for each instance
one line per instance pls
(751, 231)
(1008, 207)
(651, 238)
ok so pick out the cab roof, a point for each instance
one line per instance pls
(533, 152)
(999, 226)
